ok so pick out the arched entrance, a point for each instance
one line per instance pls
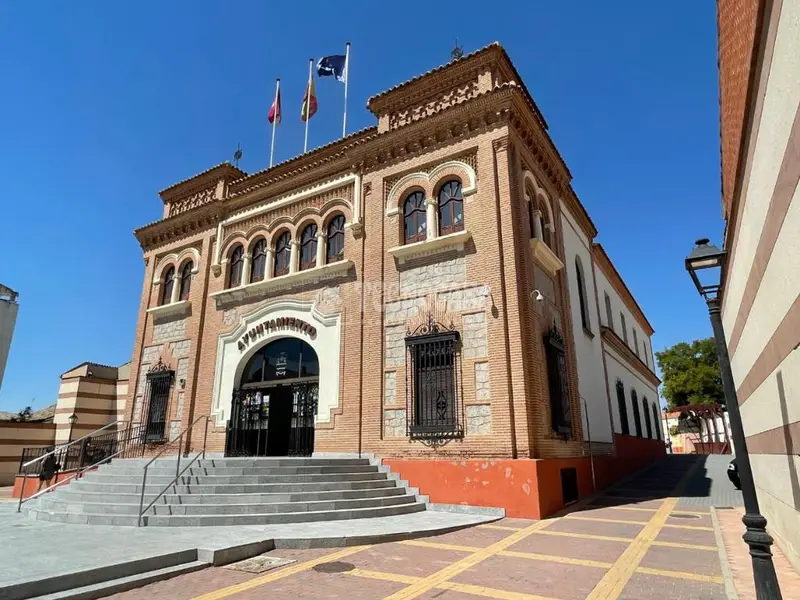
(273, 408)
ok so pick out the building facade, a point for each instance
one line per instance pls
(9, 307)
(759, 45)
(416, 290)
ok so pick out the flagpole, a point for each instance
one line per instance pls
(308, 103)
(346, 81)
(274, 119)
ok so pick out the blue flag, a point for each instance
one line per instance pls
(332, 65)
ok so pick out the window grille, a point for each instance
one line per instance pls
(560, 412)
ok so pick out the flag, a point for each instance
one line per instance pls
(309, 102)
(275, 110)
(332, 65)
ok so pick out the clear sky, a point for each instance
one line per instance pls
(106, 103)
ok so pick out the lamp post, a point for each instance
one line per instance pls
(73, 418)
(706, 261)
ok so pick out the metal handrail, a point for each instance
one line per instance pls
(178, 471)
(60, 448)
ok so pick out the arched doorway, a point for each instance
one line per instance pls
(273, 409)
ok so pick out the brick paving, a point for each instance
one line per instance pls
(605, 548)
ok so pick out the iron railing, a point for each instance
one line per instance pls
(178, 471)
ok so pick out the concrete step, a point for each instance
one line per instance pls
(250, 461)
(165, 471)
(163, 480)
(65, 494)
(259, 488)
(223, 520)
(56, 505)
(122, 584)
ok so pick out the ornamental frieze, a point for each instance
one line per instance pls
(434, 105)
(194, 200)
(470, 158)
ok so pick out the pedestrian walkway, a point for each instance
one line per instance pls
(641, 540)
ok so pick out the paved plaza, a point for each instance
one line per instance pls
(649, 538)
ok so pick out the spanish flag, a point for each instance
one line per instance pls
(309, 101)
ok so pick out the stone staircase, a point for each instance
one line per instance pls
(230, 491)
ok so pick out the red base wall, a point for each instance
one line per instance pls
(30, 485)
(525, 488)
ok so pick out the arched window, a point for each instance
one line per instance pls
(186, 280)
(283, 253)
(609, 312)
(451, 208)
(258, 267)
(646, 409)
(547, 238)
(168, 284)
(414, 218)
(635, 342)
(623, 409)
(584, 305)
(624, 326)
(308, 247)
(335, 251)
(657, 422)
(637, 419)
(236, 266)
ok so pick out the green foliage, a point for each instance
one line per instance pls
(690, 373)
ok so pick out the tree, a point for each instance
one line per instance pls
(24, 415)
(690, 372)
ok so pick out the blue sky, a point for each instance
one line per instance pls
(106, 103)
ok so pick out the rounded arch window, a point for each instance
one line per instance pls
(414, 218)
(186, 280)
(283, 253)
(308, 247)
(259, 265)
(169, 283)
(284, 359)
(335, 232)
(451, 208)
(236, 266)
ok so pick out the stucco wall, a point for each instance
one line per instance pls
(618, 368)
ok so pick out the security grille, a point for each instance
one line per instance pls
(159, 383)
(560, 412)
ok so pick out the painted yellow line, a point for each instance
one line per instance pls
(612, 584)
(564, 560)
(503, 527)
(440, 546)
(689, 512)
(632, 498)
(280, 574)
(586, 536)
(604, 520)
(680, 575)
(636, 508)
(685, 546)
(690, 527)
(381, 576)
(436, 579)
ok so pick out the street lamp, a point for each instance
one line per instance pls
(705, 266)
(73, 418)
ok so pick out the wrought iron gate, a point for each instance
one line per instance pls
(250, 427)
(159, 383)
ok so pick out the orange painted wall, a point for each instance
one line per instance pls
(525, 488)
(30, 485)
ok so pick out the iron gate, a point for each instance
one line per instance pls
(249, 427)
(159, 382)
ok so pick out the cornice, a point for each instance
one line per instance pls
(611, 338)
(180, 226)
(202, 180)
(603, 261)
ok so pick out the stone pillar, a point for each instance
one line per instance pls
(431, 218)
(176, 288)
(537, 225)
(322, 247)
(294, 257)
(270, 270)
(248, 261)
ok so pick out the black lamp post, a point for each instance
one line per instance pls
(73, 418)
(705, 261)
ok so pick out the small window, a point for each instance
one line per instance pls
(308, 247)
(259, 266)
(644, 353)
(582, 295)
(635, 342)
(657, 422)
(236, 266)
(451, 208)
(637, 419)
(169, 283)
(624, 327)
(186, 280)
(560, 412)
(609, 312)
(414, 218)
(283, 253)
(623, 409)
(335, 251)
(646, 409)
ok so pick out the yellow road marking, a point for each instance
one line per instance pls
(632, 498)
(503, 527)
(636, 508)
(610, 587)
(691, 527)
(441, 576)
(280, 574)
(556, 559)
(587, 536)
(685, 546)
(680, 575)
(440, 546)
(394, 577)
(604, 520)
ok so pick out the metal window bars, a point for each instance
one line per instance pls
(560, 411)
